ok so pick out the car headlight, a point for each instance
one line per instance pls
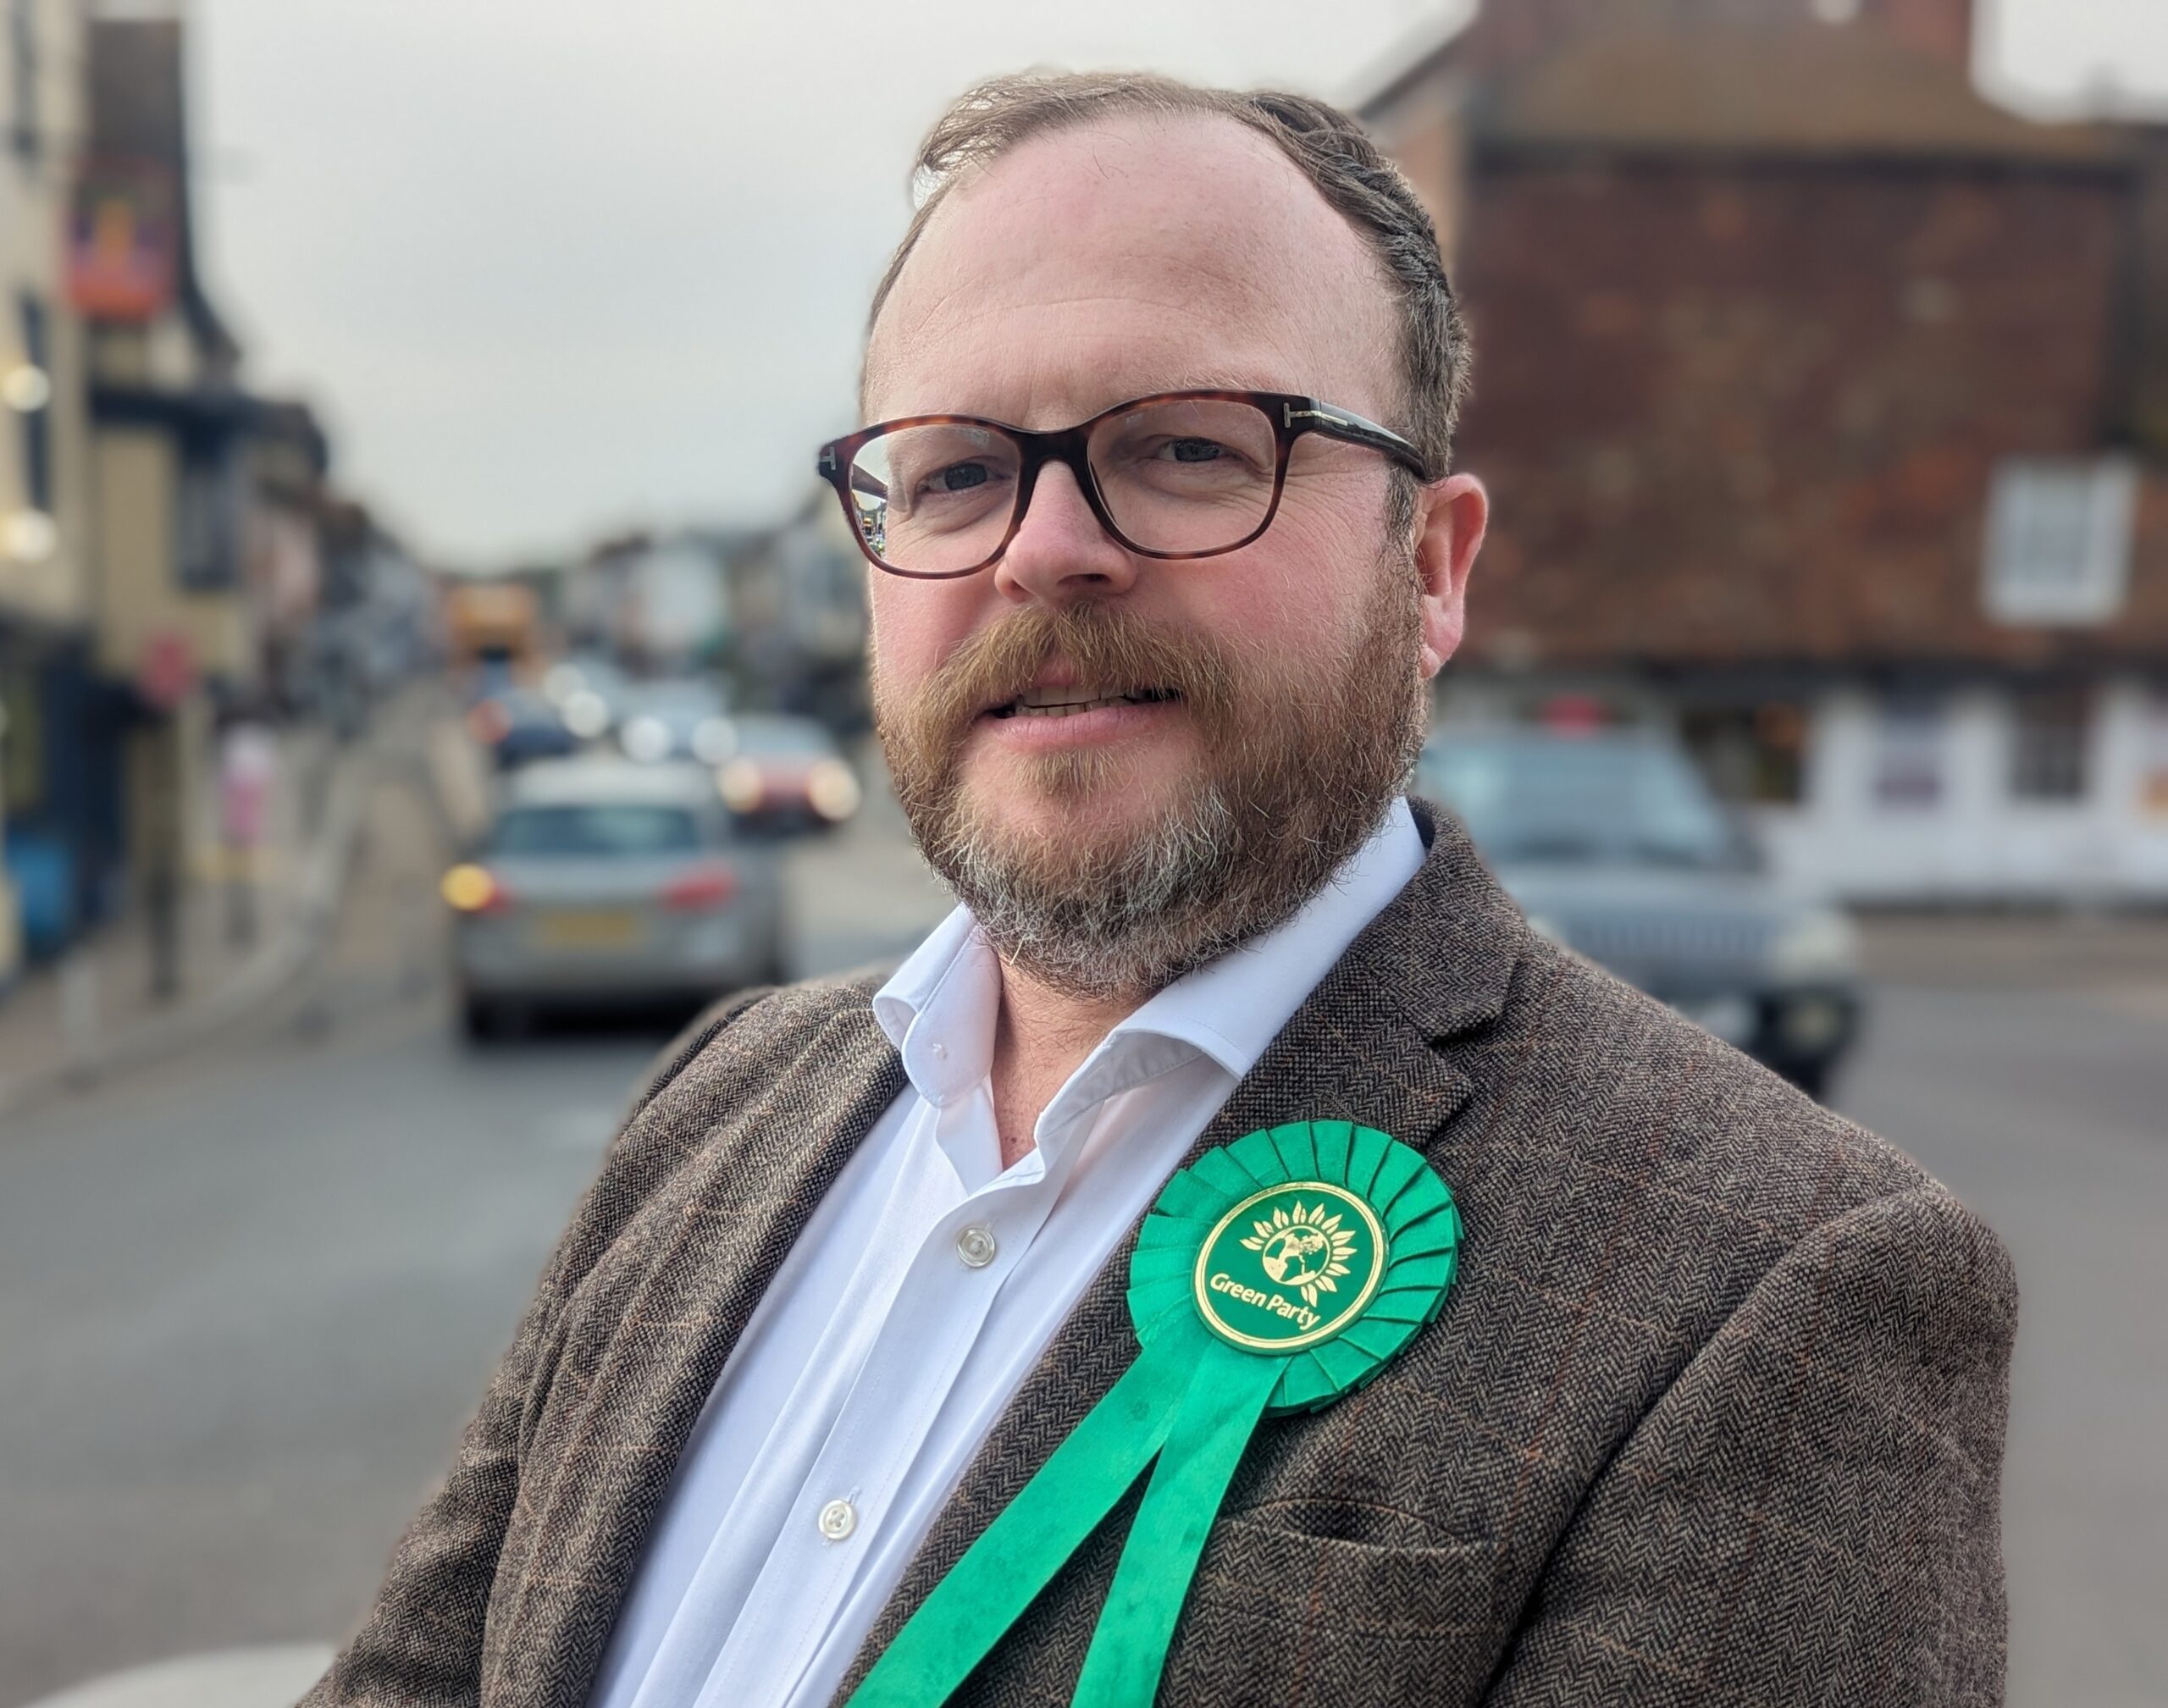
(833, 790)
(586, 713)
(560, 682)
(1819, 945)
(646, 739)
(740, 785)
(714, 739)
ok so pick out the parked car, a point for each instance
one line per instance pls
(677, 718)
(601, 881)
(518, 725)
(1614, 846)
(786, 773)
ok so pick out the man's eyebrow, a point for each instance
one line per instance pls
(1158, 385)
(1215, 381)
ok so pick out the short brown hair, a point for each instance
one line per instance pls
(1326, 145)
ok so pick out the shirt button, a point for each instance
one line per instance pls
(941, 1052)
(838, 1518)
(975, 1247)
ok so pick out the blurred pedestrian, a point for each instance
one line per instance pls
(849, 1370)
(248, 767)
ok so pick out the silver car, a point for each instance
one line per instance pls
(1613, 846)
(605, 882)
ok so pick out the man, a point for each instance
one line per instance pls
(1714, 1410)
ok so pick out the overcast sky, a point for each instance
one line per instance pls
(549, 267)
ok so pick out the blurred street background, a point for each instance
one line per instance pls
(429, 672)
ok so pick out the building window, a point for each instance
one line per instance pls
(2059, 539)
(37, 424)
(1908, 754)
(206, 518)
(2049, 727)
(1753, 754)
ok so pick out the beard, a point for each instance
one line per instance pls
(1299, 759)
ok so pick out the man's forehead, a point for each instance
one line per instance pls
(1130, 256)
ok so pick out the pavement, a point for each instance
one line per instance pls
(94, 1014)
(2120, 955)
(272, 1676)
(248, 1299)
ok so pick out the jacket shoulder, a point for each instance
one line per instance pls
(753, 1030)
(1628, 1184)
(1635, 1087)
(736, 1051)
(1628, 1163)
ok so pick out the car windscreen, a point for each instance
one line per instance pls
(683, 699)
(593, 829)
(1586, 800)
(782, 738)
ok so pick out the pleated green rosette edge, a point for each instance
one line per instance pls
(1422, 1229)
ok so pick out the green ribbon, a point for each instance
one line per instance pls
(1273, 1276)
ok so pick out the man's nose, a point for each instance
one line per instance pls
(1061, 553)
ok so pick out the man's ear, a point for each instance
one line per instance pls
(1450, 518)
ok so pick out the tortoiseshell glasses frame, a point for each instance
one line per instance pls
(1288, 417)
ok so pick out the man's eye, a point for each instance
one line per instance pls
(1196, 450)
(957, 477)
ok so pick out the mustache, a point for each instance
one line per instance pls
(1105, 645)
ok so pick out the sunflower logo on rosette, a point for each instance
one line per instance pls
(1304, 1249)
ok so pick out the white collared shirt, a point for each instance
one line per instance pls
(923, 1290)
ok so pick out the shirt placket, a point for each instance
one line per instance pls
(930, 1328)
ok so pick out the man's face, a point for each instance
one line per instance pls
(1088, 268)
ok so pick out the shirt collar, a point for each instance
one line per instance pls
(938, 1009)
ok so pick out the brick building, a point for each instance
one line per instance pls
(1824, 404)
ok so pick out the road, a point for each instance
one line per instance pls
(247, 1302)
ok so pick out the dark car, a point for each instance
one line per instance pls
(786, 774)
(516, 725)
(1614, 847)
(677, 718)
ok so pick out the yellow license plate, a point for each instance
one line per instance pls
(589, 928)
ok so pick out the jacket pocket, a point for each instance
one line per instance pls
(1282, 1617)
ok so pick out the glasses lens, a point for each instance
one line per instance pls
(1187, 475)
(937, 499)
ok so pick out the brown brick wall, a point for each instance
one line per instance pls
(1940, 28)
(1506, 32)
(2148, 302)
(1429, 150)
(1733, 413)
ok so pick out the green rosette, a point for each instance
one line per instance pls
(1270, 1278)
(1391, 1234)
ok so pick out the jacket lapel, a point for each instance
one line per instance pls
(1367, 1046)
(648, 1334)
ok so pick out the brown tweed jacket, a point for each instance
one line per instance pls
(1713, 1414)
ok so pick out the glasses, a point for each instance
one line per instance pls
(1179, 474)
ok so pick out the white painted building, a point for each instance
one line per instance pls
(1981, 794)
